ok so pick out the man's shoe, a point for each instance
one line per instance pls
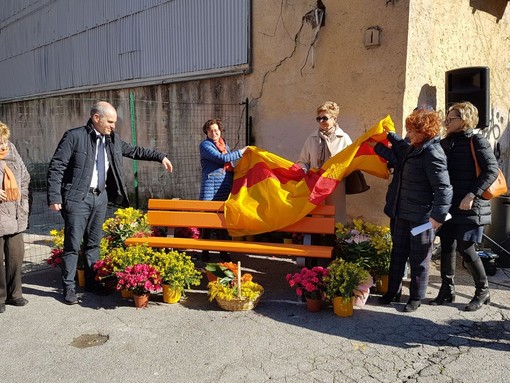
(2, 307)
(412, 306)
(16, 302)
(70, 297)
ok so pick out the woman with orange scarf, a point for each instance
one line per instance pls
(217, 171)
(14, 213)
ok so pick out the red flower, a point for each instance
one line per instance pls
(140, 278)
(309, 282)
(55, 258)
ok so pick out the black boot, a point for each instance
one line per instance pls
(482, 295)
(447, 290)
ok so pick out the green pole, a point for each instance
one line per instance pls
(134, 142)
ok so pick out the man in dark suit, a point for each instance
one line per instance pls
(84, 174)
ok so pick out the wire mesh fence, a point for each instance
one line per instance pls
(174, 128)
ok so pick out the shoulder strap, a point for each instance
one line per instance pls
(474, 156)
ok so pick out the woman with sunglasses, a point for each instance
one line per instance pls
(469, 211)
(217, 172)
(326, 141)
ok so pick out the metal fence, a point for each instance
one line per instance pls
(180, 138)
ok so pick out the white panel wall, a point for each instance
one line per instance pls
(63, 46)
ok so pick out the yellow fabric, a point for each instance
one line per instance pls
(270, 192)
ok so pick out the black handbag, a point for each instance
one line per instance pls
(355, 183)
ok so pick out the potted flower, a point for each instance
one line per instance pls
(310, 284)
(342, 283)
(57, 251)
(177, 272)
(118, 259)
(141, 279)
(57, 248)
(233, 290)
(126, 223)
(367, 245)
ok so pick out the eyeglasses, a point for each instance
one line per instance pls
(322, 119)
(448, 120)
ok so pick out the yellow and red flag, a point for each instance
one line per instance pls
(270, 192)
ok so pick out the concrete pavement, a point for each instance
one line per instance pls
(279, 341)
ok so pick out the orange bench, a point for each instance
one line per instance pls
(174, 213)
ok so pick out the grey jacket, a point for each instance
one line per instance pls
(14, 215)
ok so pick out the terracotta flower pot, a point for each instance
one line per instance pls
(343, 307)
(313, 305)
(141, 301)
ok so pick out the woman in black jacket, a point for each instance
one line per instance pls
(423, 195)
(469, 211)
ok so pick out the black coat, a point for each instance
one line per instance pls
(461, 167)
(394, 156)
(70, 169)
(423, 187)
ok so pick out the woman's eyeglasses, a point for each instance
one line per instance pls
(322, 119)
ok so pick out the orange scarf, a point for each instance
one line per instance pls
(222, 147)
(9, 182)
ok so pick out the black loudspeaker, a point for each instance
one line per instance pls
(470, 84)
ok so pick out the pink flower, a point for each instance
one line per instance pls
(309, 282)
(140, 278)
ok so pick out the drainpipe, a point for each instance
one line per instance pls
(134, 142)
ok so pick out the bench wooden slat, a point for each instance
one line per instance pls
(212, 220)
(185, 205)
(236, 247)
(218, 206)
(207, 220)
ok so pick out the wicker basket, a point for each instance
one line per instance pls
(238, 304)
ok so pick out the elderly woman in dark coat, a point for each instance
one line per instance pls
(423, 194)
(470, 212)
(217, 170)
(14, 212)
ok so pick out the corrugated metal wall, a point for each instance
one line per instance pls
(51, 47)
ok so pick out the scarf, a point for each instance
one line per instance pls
(222, 147)
(9, 182)
(324, 138)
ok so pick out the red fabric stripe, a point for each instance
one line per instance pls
(322, 189)
(261, 172)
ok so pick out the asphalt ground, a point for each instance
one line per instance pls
(106, 339)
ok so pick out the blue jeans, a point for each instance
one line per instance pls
(83, 223)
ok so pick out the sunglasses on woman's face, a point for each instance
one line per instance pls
(322, 119)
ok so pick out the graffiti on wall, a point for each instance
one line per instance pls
(498, 134)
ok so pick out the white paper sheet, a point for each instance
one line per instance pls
(426, 226)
